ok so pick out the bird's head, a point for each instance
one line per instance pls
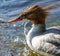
(34, 13)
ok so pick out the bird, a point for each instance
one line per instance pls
(39, 38)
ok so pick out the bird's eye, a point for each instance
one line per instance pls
(25, 15)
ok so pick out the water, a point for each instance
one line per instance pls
(12, 39)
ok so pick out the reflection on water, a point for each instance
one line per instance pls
(12, 39)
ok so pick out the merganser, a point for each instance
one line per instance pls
(39, 38)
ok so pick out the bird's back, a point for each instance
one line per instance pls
(49, 41)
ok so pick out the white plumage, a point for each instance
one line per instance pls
(46, 41)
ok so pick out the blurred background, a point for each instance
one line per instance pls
(12, 39)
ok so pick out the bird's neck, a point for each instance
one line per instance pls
(36, 30)
(39, 27)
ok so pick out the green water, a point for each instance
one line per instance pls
(56, 23)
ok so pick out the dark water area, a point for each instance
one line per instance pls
(12, 39)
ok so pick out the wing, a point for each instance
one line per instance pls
(48, 42)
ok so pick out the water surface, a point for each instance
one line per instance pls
(12, 39)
